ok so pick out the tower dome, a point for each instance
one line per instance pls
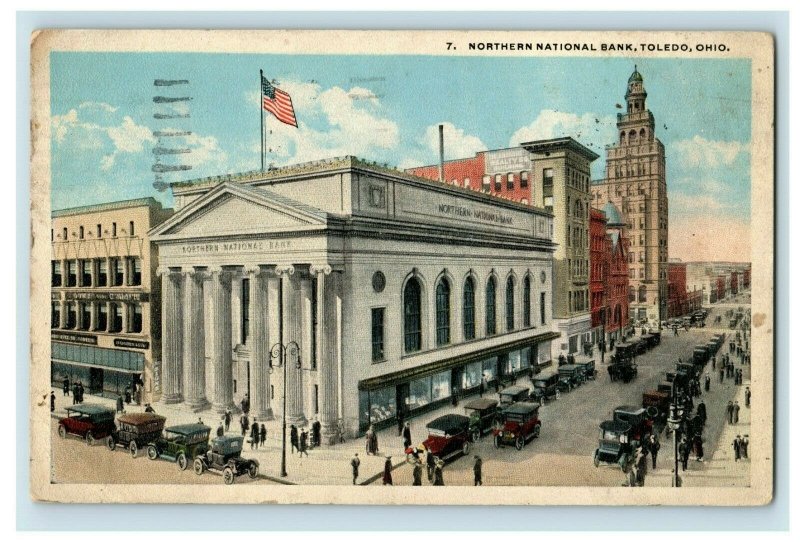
(612, 215)
(635, 76)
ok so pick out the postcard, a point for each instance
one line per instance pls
(402, 267)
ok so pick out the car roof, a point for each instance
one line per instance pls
(568, 366)
(630, 409)
(522, 408)
(546, 376)
(90, 408)
(226, 439)
(188, 428)
(481, 404)
(511, 390)
(136, 418)
(449, 423)
(616, 426)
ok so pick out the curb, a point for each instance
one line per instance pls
(376, 477)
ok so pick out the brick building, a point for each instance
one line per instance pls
(676, 289)
(599, 263)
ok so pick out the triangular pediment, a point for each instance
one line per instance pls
(231, 208)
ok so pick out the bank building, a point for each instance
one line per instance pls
(377, 293)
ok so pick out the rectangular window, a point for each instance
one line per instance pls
(440, 385)
(316, 398)
(136, 272)
(102, 273)
(72, 316)
(523, 179)
(135, 321)
(64, 234)
(86, 316)
(55, 267)
(542, 308)
(130, 228)
(486, 183)
(245, 309)
(86, 272)
(116, 318)
(548, 203)
(526, 303)
(377, 334)
(113, 229)
(498, 183)
(102, 317)
(99, 231)
(547, 177)
(118, 273)
(55, 315)
(80, 232)
(510, 181)
(72, 273)
(419, 393)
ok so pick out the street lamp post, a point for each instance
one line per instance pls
(279, 352)
(674, 422)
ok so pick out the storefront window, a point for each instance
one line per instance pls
(472, 375)
(440, 386)
(419, 393)
(490, 368)
(525, 358)
(513, 362)
(382, 404)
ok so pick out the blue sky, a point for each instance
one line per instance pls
(386, 108)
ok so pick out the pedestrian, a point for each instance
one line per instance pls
(697, 444)
(120, 404)
(368, 440)
(66, 386)
(245, 423)
(747, 397)
(735, 412)
(293, 438)
(303, 443)
(477, 470)
(729, 411)
(149, 408)
(127, 396)
(52, 401)
(263, 435)
(430, 461)
(316, 433)
(737, 448)
(220, 430)
(227, 420)
(354, 464)
(654, 446)
(417, 474)
(721, 374)
(482, 387)
(743, 444)
(75, 393)
(683, 451)
(340, 430)
(438, 475)
(387, 471)
(701, 412)
(406, 436)
(713, 362)
(400, 424)
(80, 392)
(254, 435)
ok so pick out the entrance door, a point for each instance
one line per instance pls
(456, 379)
(403, 391)
(95, 381)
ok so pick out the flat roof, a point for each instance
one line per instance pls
(559, 143)
(110, 206)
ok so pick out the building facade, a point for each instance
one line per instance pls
(635, 181)
(613, 274)
(677, 304)
(384, 294)
(599, 268)
(105, 320)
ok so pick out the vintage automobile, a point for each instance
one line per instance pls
(639, 420)
(225, 456)
(587, 369)
(180, 443)
(625, 351)
(658, 400)
(448, 436)
(88, 421)
(625, 370)
(652, 339)
(520, 424)
(483, 414)
(513, 394)
(700, 355)
(545, 387)
(570, 377)
(136, 430)
(614, 447)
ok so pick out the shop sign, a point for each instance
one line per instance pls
(143, 297)
(128, 343)
(73, 337)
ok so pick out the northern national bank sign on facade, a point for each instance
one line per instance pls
(385, 293)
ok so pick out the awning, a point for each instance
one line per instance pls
(413, 373)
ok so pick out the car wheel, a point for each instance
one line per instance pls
(152, 453)
(520, 443)
(181, 461)
(497, 442)
(110, 443)
(199, 467)
(476, 435)
(252, 472)
(62, 431)
(89, 438)
(134, 448)
(465, 448)
(536, 430)
(227, 476)
(596, 458)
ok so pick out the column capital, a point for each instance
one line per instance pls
(192, 272)
(284, 269)
(252, 269)
(217, 271)
(324, 269)
(165, 270)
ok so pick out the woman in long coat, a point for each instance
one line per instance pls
(438, 476)
(387, 472)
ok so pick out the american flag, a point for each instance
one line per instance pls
(277, 102)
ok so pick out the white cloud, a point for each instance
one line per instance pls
(129, 136)
(592, 130)
(457, 143)
(108, 108)
(701, 152)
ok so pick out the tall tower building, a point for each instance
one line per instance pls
(635, 182)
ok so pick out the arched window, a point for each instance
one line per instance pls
(443, 312)
(469, 309)
(526, 301)
(632, 136)
(491, 307)
(642, 294)
(412, 315)
(510, 304)
(622, 138)
(642, 134)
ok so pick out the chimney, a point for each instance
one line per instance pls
(441, 153)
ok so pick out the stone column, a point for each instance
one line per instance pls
(307, 362)
(62, 314)
(273, 283)
(124, 308)
(109, 317)
(221, 333)
(259, 347)
(293, 356)
(171, 336)
(327, 350)
(194, 355)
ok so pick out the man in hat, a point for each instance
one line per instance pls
(354, 464)
(220, 430)
(743, 444)
(228, 419)
(263, 435)
(430, 461)
(729, 411)
(438, 474)
(52, 401)
(120, 404)
(387, 471)
(707, 383)
(406, 435)
(477, 470)
(66, 385)
(747, 397)
(417, 474)
(149, 408)
(654, 446)
(736, 412)
(737, 450)
(303, 443)
(254, 435)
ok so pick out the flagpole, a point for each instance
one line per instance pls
(261, 107)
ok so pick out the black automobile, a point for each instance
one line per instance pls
(135, 431)
(225, 456)
(513, 394)
(545, 387)
(614, 447)
(483, 414)
(625, 370)
(587, 368)
(570, 377)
